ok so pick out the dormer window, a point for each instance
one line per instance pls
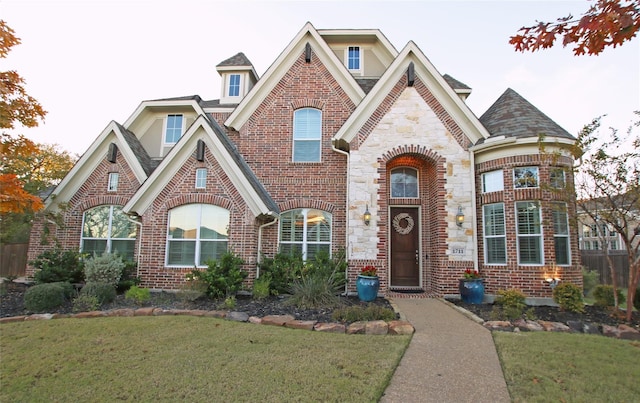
(234, 85)
(173, 128)
(353, 58)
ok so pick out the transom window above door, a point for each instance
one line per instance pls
(404, 182)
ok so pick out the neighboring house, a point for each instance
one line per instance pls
(341, 123)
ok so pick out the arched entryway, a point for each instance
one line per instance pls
(414, 197)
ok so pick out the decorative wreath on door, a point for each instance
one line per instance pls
(398, 228)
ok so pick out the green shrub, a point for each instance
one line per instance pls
(569, 297)
(261, 287)
(223, 277)
(106, 268)
(104, 292)
(138, 295)
(192, 290)
(512, 303)
(44, 297)
(590, 279)
(603, 295)
(357, 313)
(636, 299)
(57, 265)
(230, 302)
(315, 290)
(68, 289)
(128, 278)
(85, 303)
(282, 270)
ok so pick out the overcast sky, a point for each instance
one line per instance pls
(89, 62)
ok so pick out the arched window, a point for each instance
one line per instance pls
(306, 231)
(197, 233)
(107, 229)
(307, 135)
(404, 182)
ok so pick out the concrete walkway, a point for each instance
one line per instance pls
(451, 358)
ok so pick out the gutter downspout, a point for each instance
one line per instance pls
(139, 224)
(275, 220)
(346, 212)
(472, 159)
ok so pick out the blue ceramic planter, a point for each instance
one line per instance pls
(367, 287)
(472, 291)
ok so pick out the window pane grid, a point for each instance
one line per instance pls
(561, 233)
(495, 234)
(525, 177)
(404, 183)
(234, 85)
(307, 134)
(306, 231)
(107, 229)
(492, 181)
(197, 233)
(174, 129)
(354, 58)
(529, 232)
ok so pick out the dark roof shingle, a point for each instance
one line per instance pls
(513, 116)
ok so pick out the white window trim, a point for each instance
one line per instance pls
(200, 170)
(359, 71)
(293, 137)
(305, 241)
(485, 236)
(567, 235)
(197, 240)
(537, 169)
(541, 235)
(240, 85)
(164, 128)
(486, 174)
(112, 183)
(109, 238)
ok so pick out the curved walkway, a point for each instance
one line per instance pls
(450, 358)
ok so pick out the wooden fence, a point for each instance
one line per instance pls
(13, 259)
(596, 260)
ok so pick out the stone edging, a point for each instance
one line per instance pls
(619, 332)
(376, 327)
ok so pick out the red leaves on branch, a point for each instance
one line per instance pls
(13, 197)
(606, 23)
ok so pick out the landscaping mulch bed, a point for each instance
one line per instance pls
(12, 304)
(592, 314)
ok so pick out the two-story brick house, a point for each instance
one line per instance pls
(340, 124)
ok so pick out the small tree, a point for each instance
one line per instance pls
(607, 186)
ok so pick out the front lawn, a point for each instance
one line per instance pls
(181, 358)
(562, 367)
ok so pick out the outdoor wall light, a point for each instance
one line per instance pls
(553, 282)
(459, 217)
(367, 216)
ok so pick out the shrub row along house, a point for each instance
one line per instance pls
(340, 125)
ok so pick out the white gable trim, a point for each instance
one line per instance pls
(432, 79)
(90, 160)
(282, 65)
(183, 150)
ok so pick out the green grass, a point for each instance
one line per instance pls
(562, 367)
(182, 358)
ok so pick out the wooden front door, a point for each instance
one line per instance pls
(405, 249)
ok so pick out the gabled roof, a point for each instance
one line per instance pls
(128, 145)
(432, 79)
(217, 142)
(239, 59)
(513, 116)
(308, 34)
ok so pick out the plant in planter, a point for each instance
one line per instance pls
(471, 287)
(368, 283)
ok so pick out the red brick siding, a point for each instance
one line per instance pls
(528, 279)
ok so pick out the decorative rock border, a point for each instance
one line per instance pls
(624, 332)
(376, 327)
